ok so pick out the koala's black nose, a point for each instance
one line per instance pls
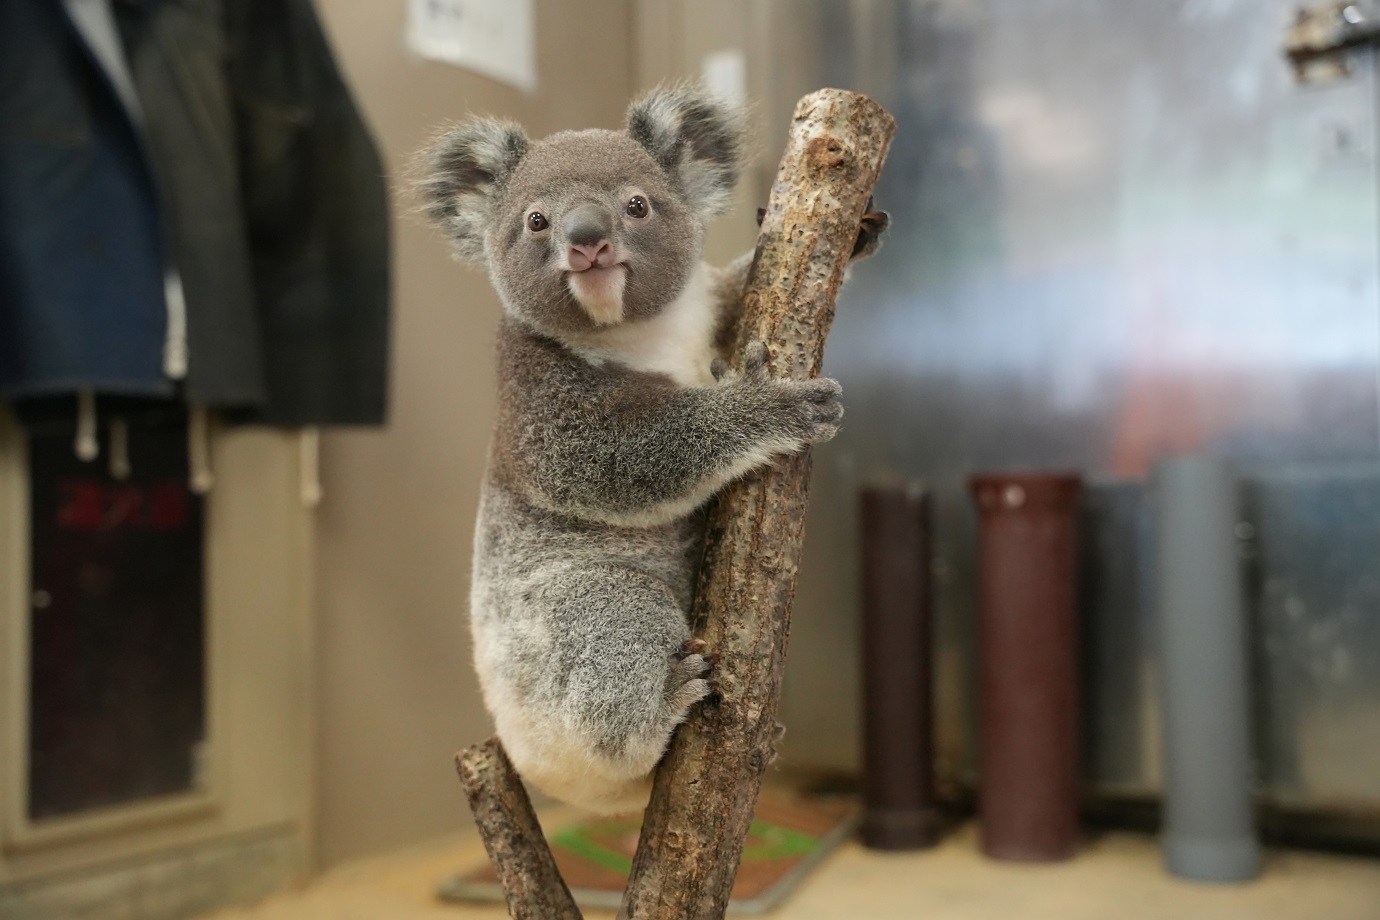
(587, 225)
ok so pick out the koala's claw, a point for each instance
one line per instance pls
(686, 683)
(755, 356)
(691, 646)
(870, 229)
(690, 667)
(689, 693)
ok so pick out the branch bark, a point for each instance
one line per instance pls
(512, 835)
(706, 789)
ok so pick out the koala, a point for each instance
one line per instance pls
(615, 424)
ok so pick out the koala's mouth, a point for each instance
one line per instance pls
(599, 291)
(599, 273)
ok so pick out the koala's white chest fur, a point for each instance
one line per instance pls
(677, 342)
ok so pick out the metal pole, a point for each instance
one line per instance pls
(1028, 665)
(1208, 833)
(898, 669)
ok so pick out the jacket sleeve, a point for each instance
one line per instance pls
(316, 205)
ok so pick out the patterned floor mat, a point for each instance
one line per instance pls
(789, 836)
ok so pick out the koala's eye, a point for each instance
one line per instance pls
(637, 207)
(537, 222)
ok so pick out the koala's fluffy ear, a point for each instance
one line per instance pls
(696, 137)
(462, 173)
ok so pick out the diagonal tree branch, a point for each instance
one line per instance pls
(503, 812)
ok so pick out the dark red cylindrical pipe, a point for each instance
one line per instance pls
(1028, 665)
(898, 781)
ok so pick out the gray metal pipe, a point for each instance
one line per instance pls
(1208, 832)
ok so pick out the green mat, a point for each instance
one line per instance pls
(789, 837)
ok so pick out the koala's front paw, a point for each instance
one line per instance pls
(817, 407)
(870, 230)
(807, 411)
(811, 409)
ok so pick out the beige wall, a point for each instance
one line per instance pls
(396, 688)
(247, 812)
(670, 40)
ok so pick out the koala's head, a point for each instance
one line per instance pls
(588, 229)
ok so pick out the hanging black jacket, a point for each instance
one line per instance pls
(249, 172)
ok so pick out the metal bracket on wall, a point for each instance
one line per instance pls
(1318, 42)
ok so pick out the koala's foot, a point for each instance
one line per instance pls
(686, 685)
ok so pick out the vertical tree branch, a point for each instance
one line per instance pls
(706, 789)
(532, 884)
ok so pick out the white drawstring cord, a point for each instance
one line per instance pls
(175, 342)
(309, 456)
(199, 449)
(86, 445)
(119, 449)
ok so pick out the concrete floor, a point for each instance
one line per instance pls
(1116, 876)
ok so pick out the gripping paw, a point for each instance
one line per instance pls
(816, 407)
(755, 356)
(686, 684)
(810, 411)
(870, 229)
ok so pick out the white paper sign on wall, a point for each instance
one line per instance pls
(724, 73)
(496, 38)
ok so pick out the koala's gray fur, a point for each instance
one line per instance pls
(612, 430)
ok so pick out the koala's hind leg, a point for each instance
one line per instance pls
(632, 670)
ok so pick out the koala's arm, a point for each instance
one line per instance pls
(622, 447)
(728, 282)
